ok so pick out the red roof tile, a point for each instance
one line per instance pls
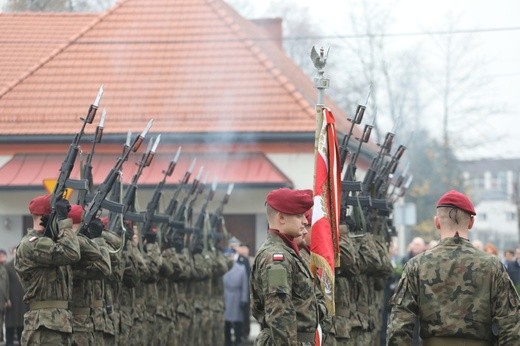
(192, 65)
(29, 39)
(30, 170)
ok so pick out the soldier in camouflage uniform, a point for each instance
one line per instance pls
(112, 286)
(93, 265)
(220, 267)
(349, 268)
(137, 332)
(153, 259)
(303, 242)
(46, 276)
(461, 295)
(184, 309)
(130, 279)
(283, 295)
(163, 316)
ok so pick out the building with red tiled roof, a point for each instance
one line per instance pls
(215, 83)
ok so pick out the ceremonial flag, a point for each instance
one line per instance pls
(326, 210)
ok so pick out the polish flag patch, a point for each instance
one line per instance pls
(278, 257)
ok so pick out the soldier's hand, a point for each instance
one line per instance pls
(95, 228)
(178, 241)
(150, 237)
(62, 208)
(197, 247)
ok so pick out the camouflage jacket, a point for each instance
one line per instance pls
(457, 291)
(283, 294)
(44, 267)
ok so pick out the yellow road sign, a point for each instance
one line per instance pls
(50, 184)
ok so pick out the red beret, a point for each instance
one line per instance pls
(40, 205)
(75, 213)
(454, 198)
(104, 220)
(308, 215)
(290, 201)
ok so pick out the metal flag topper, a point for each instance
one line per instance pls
(321, 83)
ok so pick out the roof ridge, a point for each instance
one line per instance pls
(269, 64)
(58, 50)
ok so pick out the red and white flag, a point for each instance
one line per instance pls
(326, 210)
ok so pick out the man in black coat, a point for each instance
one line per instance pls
(14, 313)
(512, 263)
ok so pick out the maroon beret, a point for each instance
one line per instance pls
(290, 201)
(454, 198)
(40, 205)
(75, 213)
(104, 221)
(308, 215)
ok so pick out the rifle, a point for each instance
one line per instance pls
(103, 190)
(86, 171)
(358, 117)
(129, 198)
(153, 204)
(216, 218)
(174, 201)
(198, 229)
(64, 180)
(191, 203)
(180, 214)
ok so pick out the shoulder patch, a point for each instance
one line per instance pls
(31, 239)
(278, 257)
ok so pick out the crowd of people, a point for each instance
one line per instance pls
(100, 288)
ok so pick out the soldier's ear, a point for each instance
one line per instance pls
(437, 222)
(281, 217)
(471, 222)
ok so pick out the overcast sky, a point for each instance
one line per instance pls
(494, 28)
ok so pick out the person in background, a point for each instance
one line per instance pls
(512, 263)
(478, 244)
(14, 313)
(491, 249)
(416, 246)
(4, 291)
(432, 244)
(242, 258)
(236, 297)
(460, 295)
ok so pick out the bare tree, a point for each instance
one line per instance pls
(457, 78)
(56, 5)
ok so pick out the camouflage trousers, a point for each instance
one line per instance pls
(85, 338)
(43, 336)
(137, 333)
(149, 327)
(358, 336)
(264, 339)
(112, 338)
(207, 329)
(162, 329)
(218, 327)
(184, 328)
(196, 328)
(125, 326)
